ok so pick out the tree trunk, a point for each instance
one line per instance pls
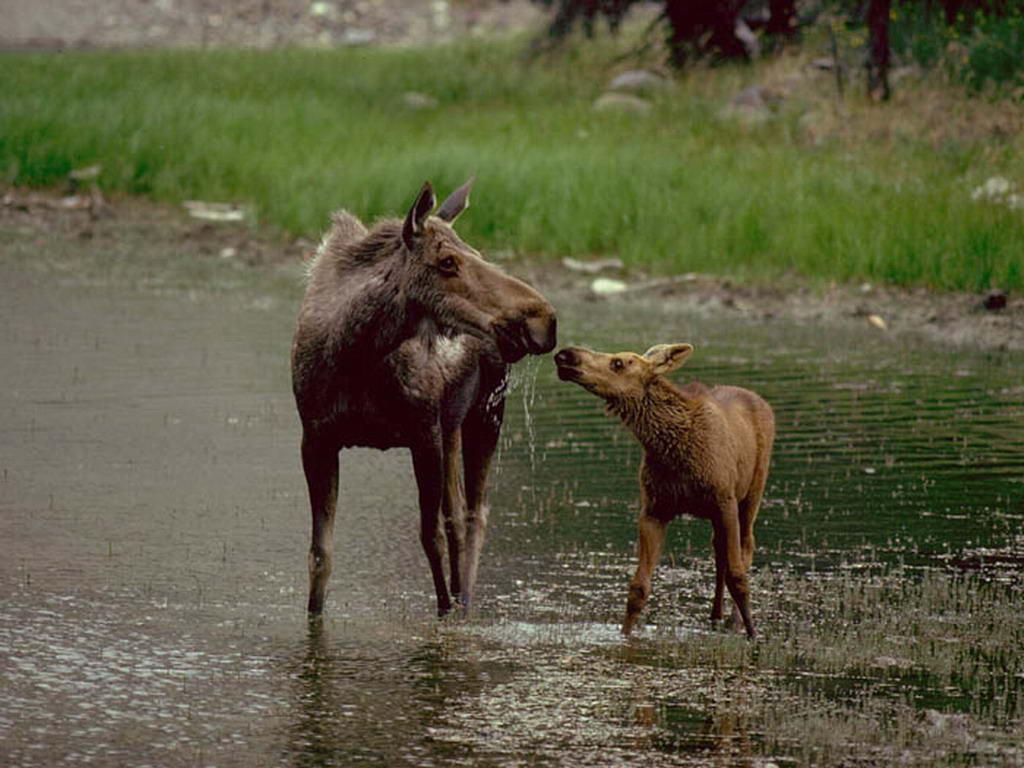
(952, 10)
(698, 27)
(781, 18)
(879, 54)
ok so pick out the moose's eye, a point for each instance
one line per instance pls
(448, 265)
(617, 365)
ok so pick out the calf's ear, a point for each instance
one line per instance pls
(665, 358)
(457, 202)
(414, 219)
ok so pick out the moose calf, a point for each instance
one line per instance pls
(706, 453)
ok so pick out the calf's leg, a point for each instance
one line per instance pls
(320, 464)
(651, 537)
(728, 530)
(718, 546)
(428, 464)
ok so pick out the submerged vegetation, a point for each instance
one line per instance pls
(835, 191)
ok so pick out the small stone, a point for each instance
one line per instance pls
(591, 267)
(757, 97)
(323, 10)
(88, 173)
(878, 322)
(357, 36)
(417, 100)
(605, 286)
(994, 188)
(199, 209)
(638, 81)
(622, 102)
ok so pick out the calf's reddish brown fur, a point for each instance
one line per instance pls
(706, 453)
(404, 340)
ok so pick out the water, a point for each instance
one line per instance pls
(153, 529)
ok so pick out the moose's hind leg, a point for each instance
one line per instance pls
(480, 432)
(320, 464)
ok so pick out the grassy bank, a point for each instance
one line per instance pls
(299, 133)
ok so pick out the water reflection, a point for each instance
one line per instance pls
(153, 533)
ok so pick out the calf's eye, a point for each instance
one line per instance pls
(448, 264)
(617, 365)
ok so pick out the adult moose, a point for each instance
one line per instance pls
(404, 340)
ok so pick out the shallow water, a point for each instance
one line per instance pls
(153, 528)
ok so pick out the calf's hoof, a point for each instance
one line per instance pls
(629, 623)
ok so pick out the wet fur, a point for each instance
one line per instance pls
(385, 357)
(706, 454)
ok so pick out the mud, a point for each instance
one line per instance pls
(957, 319)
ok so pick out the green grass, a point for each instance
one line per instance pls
(297, 134)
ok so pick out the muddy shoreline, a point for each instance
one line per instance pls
(93, 223)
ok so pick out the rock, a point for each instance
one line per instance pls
(995, 300)
(591, 267)
(356, 36)
(89, 173)
(417, 100)
(878, 322)
(942, 724)
(899, 74)
(754, 104)
(825, 64)
(441, 14)
(757, 97)
(605, 286)
(638, 81)
(323, 10)
(622, 102)
(198, 209)
(995, 188)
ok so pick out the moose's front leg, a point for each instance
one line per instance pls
(651, 536)
(428, 464)
(453, 510)
(320, 464)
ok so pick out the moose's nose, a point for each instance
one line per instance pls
(542, 333)
(565, 357)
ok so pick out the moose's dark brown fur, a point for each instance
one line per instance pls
(404, 340)
(706, 453)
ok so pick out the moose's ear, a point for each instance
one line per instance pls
(457, 202)
(665, 358)
(424, 204)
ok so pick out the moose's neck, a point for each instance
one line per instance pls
(371, 313)
(663, 419)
